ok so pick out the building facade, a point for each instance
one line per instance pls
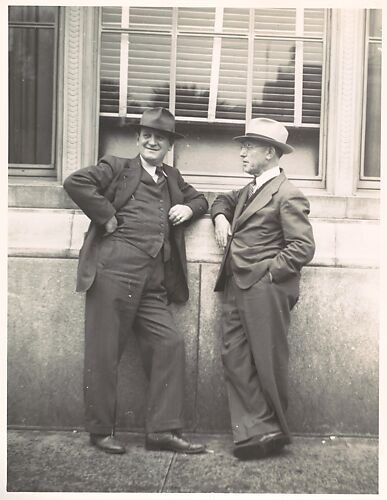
(80, 77)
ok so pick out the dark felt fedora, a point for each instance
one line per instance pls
(159, 119)
(268, 131)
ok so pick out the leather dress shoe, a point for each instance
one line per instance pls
(261, 446)
(171, 441)
(108, 443)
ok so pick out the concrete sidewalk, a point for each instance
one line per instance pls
(48, 461)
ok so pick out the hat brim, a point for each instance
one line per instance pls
(175, 135)
(285, 148)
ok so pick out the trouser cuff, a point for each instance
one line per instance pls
(171, 425)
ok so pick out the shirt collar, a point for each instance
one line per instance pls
(151, 169)
(267, 176)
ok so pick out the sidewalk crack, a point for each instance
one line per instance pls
(161, 490)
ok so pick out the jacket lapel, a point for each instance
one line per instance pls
(130, 177)
(127, 182)
(239, 208)
(262, 199)
(175, 193)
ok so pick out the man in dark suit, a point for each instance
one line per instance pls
(131, 265)
(267, 237)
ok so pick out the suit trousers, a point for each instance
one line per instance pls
(128, 295)
(255, 354)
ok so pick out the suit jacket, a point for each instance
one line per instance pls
(103, 189)
(273, 233)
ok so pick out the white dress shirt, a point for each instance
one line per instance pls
(151, 169)
(266, 176)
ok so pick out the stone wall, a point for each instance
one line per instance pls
(333, 336)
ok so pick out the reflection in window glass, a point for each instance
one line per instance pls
(148, 79)
(273, 82)
(193, 75)
(149, 68)
(205, 77)
(215, 69)
(110, 73)
(311, 82)
(231, 99)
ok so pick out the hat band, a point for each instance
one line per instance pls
(263, 137)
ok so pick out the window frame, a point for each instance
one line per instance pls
(363, 181)
(46, 170)
(339, 200)
(215, 181)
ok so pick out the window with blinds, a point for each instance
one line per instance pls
(217, 68)
(213, 64)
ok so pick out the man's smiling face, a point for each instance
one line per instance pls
(153, 145)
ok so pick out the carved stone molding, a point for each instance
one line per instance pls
(72, 88)
(347, 102)
(80, 88)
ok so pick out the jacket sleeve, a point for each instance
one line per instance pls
(192, 198)
(87, 185)
(298, 238)
(225, 204)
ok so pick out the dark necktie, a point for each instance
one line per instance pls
(250, 192)
(160, 174)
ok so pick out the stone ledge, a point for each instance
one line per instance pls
(59, 233)
(49, 194)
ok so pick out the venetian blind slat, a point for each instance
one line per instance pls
(110, 72)
(273, 73)
(231, 101)
(193, 74)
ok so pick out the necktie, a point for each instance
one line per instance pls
(250, 191)
(159, 173)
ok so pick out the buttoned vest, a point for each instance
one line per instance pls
(143, 220)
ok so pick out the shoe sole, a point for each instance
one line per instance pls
(151, 447)
(256, 452)
(108, 450)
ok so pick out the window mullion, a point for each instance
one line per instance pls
(250, 67)
(124, 58)
(54, 114)
(298, 71)
(172, 73)
(364, 101)
(215, 66)
(172, 79)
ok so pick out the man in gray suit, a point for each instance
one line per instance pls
(131, 265)
(268, 238)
